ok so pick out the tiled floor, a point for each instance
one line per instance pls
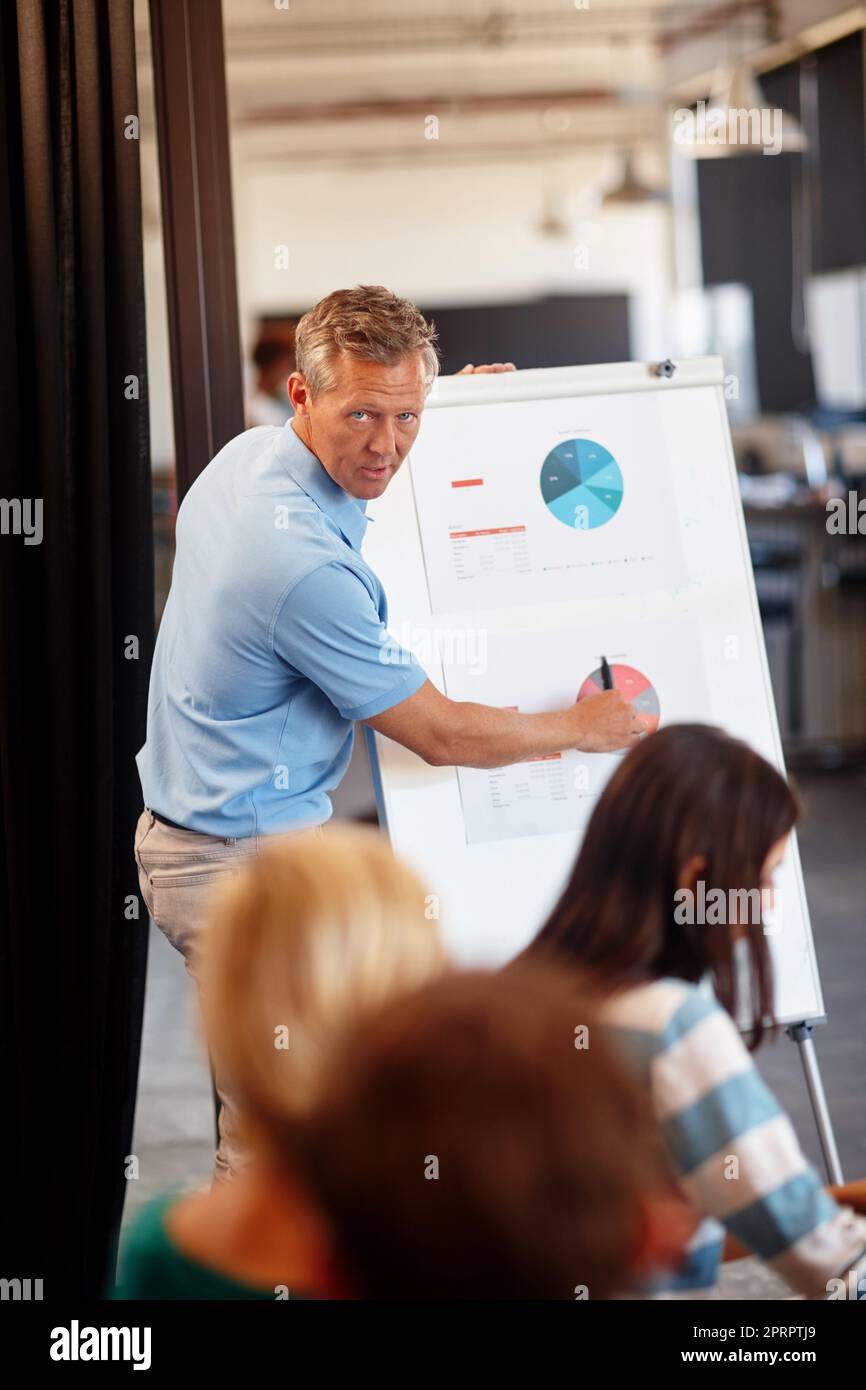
(174, 1124)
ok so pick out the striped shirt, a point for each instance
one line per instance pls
(734, 1150)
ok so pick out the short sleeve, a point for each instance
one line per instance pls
(328, 629)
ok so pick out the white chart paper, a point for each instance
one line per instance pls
(658, 666)
(534, 502)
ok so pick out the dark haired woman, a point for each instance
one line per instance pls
(693, 819)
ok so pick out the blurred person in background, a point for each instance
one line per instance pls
(274, 360)
(308, 938)
(465, 1147)
(690, 811)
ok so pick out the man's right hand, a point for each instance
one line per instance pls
(459, 733)
(606, 723)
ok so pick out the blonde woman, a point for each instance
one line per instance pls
(309, 938)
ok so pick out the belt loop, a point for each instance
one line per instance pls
(151, 816)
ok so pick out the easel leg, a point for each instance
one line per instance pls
(801, 1034)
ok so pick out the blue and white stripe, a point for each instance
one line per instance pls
(733, 1148)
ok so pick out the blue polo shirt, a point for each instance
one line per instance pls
(272, 643)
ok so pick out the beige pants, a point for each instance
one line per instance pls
(178, 871)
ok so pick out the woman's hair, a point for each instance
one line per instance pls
(467, 1146)
(309, 937)
(685, 792)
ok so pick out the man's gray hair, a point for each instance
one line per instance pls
(367, 322)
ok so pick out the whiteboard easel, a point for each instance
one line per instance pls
(679, 525)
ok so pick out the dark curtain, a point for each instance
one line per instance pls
(76, 633)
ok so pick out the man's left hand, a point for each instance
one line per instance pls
(489, 367)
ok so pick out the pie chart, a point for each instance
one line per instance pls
(581, 484)
(633, 686)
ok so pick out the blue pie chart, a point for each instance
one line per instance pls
(581, 484)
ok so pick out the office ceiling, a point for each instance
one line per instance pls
(325, 81)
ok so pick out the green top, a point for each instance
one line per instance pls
(151, 1266)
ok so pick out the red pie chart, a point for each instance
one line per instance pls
(634, 687)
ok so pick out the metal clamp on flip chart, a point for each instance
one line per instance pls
(665, 369)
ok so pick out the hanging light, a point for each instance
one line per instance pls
(630, 189)
(737, 120)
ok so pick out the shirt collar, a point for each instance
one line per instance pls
(348, 513)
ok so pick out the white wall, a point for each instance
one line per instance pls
(453, 234)
(449, 234)
(444, 236)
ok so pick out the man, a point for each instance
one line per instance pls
(273, 643)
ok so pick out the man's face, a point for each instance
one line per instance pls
(364, 426)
